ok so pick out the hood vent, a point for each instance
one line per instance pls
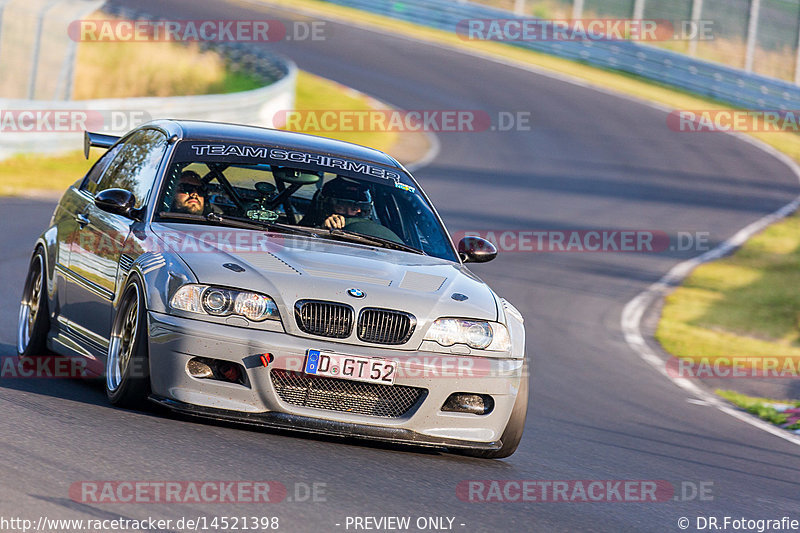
(269, 262)
(417, 281)
(348, 276)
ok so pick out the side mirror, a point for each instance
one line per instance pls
(476, 250)
(116, 201)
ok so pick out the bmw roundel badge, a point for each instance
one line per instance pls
(356, 293)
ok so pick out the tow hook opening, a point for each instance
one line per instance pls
(465, 402)
(216, 369)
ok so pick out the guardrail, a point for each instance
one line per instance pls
(41, 134)
(726, 84)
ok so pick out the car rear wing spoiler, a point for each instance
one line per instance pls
(99, 140)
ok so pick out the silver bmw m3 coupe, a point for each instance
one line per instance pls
(277, 279)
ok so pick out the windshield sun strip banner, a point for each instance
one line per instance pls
(286, 157)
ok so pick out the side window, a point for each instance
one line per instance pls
(134, 166)
(94, 174)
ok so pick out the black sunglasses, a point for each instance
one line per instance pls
(190, 188)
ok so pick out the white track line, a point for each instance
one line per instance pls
(634, 310)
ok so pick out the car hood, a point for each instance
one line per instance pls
(290, 268)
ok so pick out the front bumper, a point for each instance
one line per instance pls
(175, 340)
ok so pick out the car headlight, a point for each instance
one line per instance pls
(218, 301)
(477, 334)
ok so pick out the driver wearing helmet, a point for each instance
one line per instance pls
(339, 201)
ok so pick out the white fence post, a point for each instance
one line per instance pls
(638, 10)
(797, 61)
(697, 12)
(2, 7)
(752, 35)
(519, 7)
(73, 11)
(577, 9)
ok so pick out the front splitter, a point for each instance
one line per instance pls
(316, 426)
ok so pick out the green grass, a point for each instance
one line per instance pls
(741, 305)
(315, 94)
(133, 69)
(235, 82)
(760, 407)
(30, 173)
(153, 69)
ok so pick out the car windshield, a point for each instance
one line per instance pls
(338, 198)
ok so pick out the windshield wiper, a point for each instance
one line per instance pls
(370, 239)
(260, 224)
(237, 222)
(246, 223)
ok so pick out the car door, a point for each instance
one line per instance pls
(65, 220)
(100, 236)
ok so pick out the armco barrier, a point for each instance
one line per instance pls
(726, 84)
(257, 107)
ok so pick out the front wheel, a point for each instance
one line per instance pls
(512, 434)
(127, 363)
(34, 320)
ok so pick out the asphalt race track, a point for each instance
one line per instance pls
(597, 412)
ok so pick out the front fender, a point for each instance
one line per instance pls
(516, 328)
(161, 272)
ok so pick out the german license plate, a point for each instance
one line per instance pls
(367, 369)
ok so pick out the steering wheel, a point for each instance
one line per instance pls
(371, 228)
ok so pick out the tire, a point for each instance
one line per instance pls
(512, 434)
(127, 372)
(34, 318)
